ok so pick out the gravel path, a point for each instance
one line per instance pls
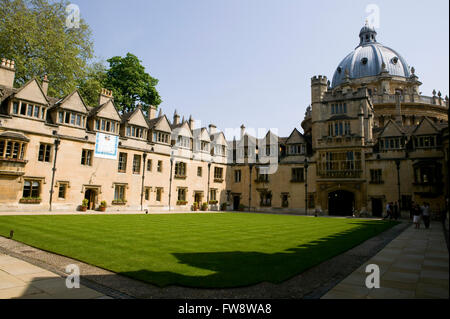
(311, 284)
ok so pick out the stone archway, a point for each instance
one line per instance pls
(341, 203)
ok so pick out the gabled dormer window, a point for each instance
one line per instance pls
(106, 125)
(296, 149)
(71, 118)
(135, 131)
(425, 141)
(183, 141)
(391, 143)
(28, 110)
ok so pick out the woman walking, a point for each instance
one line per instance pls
(417, 214)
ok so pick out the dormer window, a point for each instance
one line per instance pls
(296, 149)
(160, 137)
(29, 110)
(394, 60)
(66, 117)
(106, 125)
(134, 131)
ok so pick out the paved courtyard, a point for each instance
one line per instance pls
(19, 279)
(414, 265)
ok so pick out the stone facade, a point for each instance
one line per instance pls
(368, 139)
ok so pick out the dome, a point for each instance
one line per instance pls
(368, 58)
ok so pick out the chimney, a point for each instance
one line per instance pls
(176, 118)
(105, 96)
(45, 84)
(7, 73)
(191, 122)
(212, 129)
(242, 131)
(151, 112)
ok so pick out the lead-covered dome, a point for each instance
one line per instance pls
(368, 58)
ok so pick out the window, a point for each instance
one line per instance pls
(160, 166)
(36, 111)
(425, 141)
(122, 162)
(262, 177)
(136, 164)
(339, 108)
(237, 176)
(62, 191)
(296, 149)
(119, 193)
(218, 174)
(298, 175)
(376, 176)
(180, 169)
(199, 171)
(266, 198)
(213, 195)
(149, 165)
(30, 110)
(15, 108)
(86, 157)
(60, 117)
(78, 119)
(158, 194)
(103, 125)
(147, 193)
(391, 143)
(72, 118)
(31, 189)
(97, 124)
(67, 118)
(44, 152)
(182, 194)
(23, 109)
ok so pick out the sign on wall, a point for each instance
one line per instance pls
(106, 146)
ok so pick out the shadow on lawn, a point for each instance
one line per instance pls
(238, 268)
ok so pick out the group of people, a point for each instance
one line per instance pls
(417, 213)
(392, 211)
(420, 212)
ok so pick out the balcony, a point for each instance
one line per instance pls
(340, 173)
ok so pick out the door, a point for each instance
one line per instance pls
(341, 203)
(90, 195)
(377, 207)
(236, 202)
(198, 198)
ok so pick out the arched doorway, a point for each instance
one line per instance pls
(91, 196)
(341, 203)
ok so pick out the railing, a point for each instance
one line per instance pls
(391, 98)
(340, 174)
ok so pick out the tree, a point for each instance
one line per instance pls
(33, 33)
(92, 83)
(130, 84)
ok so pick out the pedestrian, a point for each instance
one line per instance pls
(426, 215)
(417, 214)
(388, 211)
(411, 210)
(395, 211)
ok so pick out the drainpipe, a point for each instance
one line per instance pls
(170, 182)
(250, 188)
(209, 175)
(143, 177)
(57, 142)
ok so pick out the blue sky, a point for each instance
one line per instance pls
(233, 62)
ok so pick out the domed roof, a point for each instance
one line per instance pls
(368, 58)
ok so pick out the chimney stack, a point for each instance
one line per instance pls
(176, 118)
(7, 73)
(212, 129)
(105, 96)
(191, 122)
(151, 112)
(242, 131)
(45, 84)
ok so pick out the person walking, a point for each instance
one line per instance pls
(426, 215)
(411, 210)
(417, 214)
(395, 211)
(388, 211)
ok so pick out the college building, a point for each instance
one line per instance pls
(369, 137)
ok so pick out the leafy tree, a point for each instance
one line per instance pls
(33, 33)
(92, 83)
(130, 84)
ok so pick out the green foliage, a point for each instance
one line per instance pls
(33, 34)
(130, 84)
(84, 202)
(92, 83)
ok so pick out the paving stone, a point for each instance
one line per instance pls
(16, 292)
(391, 293)
(432, 291)
(9, 281)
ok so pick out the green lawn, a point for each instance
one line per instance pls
(195, 250)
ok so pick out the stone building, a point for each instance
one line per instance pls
(369, 137)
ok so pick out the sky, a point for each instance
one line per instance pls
(234, 62)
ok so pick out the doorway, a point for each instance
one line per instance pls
(377, 207)
(91, 196)
(198, 197)
(236, 202)
(341, 203)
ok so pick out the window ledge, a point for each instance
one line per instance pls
(30, 201)
(119, 202)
